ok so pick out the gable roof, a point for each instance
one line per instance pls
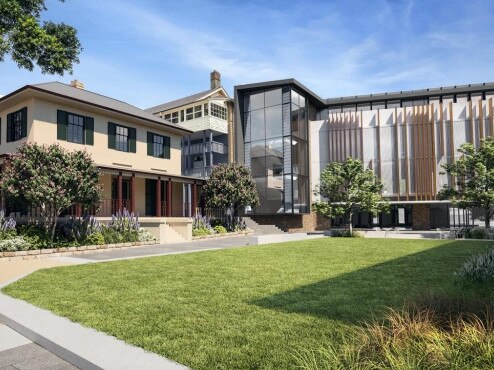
(184, 101)
(69, 92)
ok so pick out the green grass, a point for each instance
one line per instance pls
(251, 307)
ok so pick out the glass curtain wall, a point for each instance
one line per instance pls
(276, 150)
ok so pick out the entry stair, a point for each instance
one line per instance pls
(261, 229)
(172, 236)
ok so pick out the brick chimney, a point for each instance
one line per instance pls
(215, 80)
(77, 84)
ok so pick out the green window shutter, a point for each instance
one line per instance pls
(167, 147)
(9, 127)
(24, 123)
(150, 143)
(132, 140)
(89, 131)
(112, 128)
(61, 125)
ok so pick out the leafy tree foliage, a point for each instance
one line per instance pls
(474, 175)
(51, 179)
(53, 47)
(347, 187)
(230, 186)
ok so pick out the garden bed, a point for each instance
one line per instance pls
(68, 251)
(224, 235)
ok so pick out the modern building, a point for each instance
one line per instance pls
(139, 154)
(287, 135)
(209, 114)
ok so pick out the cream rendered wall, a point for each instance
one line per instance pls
(45, 132)
(11, 147)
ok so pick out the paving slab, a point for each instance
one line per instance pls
(32, 357)
(11, 270)
(10, 339)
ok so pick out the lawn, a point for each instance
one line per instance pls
(251, 307)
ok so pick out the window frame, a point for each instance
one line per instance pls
(82, 128)
(17, 129)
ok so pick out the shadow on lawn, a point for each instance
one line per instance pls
(363, 294)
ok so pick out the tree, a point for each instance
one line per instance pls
(51, 179)
(474, 178)
(230, 186)
(53, 47)
(347, 187)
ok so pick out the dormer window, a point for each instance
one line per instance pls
(218, 111)
(172, 117)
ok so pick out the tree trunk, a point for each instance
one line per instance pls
(350, 226)
(55, 220)
(487, 218)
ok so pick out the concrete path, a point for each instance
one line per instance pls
(12, 270)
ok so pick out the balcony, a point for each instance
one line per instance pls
(214, 147)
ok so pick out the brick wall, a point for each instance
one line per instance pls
(421, 217)
(294, 222)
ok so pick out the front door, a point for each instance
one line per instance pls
(150, 197)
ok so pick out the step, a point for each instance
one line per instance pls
(172, 236)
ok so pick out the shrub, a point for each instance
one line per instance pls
(217, 222)
(346, 234)
(96, 238)
(413, 338)
(124, 221)
(111, 235)
(7, 225)
(36, 235)
(81, 228)
(478, 269)
(17, 243)
(201, 231)
(145, 236)
(220, 229)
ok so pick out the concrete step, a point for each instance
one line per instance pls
(172, 236)
(261, 229)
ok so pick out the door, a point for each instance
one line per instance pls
(150, 197)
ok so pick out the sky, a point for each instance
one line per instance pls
(149, 52)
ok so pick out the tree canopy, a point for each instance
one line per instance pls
(53, 47)
(473, 173)
(51, 179)
(346, 188)
(230, 186)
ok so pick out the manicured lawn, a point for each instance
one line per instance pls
(246, 308)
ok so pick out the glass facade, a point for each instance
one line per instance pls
(276, 148)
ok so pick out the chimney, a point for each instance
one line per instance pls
(215, 80)
(77, 84)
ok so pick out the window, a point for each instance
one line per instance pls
(17, 125)
(121, 138)
(198, 111)
(158, 145)
(182, 116)
(206, 110)
(189, 113)
(218, 111)
(158, 149)
(75, 128)
(172, 117)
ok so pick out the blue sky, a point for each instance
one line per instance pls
(148, 52)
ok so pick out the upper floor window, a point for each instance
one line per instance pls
(198, 111)
(172, 117)
(158, 145)
(75, 128)
(121, 138)
(206, 110)
(75, 132)
(17, 125)
(189, 113)
(218, 111)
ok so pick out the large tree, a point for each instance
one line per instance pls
(51, 179)
(230, 186)
(473, 173)
(347, 188)
(54, 47)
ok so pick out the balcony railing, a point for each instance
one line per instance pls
(195, 149)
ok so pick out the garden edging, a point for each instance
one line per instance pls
(68, 251)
